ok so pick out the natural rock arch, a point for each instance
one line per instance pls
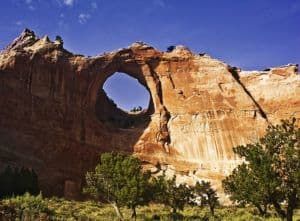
(127, 93)
(125, 62)
(108, 111)
(199, 110)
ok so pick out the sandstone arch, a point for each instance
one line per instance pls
(107, 110)
(200, 110)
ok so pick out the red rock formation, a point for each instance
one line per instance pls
(55, 116)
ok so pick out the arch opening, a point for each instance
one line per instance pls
(127, 93)
(123, 101)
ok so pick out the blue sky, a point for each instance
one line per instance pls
(251, 34)
(126, 91)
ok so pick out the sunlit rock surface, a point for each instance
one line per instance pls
(56, 118)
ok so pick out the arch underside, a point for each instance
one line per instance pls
(108, 112)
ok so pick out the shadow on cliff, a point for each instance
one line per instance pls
(57, 124)
(112, 116)
(112, 129)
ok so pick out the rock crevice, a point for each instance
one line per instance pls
(236, 76)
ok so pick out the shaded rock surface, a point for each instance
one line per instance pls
(56, 118)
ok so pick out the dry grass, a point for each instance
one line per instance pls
(34, 208)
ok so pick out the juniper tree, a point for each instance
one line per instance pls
(169, 193)
(171, 48)
(208, 196)
(18, 181)
(59, 40)
(120, 181)
(271, 172)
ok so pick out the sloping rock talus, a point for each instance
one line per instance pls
(56, 118)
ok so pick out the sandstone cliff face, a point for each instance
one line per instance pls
(55, 116)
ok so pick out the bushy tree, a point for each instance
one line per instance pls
(26, 181)
(171, 48)
(136, 109)
(120, 181)
(59, 40)
(7, 182)
(169, 193)
(244, 187)
(271, 172)
(18, 181)
(208, 196)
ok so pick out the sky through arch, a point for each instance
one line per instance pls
(126, 91)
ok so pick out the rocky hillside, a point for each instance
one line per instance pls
(56, 118)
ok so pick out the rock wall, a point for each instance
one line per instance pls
(56, 118)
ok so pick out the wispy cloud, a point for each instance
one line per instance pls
(94, 5)
(83, 18)
(29, 3)
(295, 7)
(68, 2)
(31, 8)
(160, 3)
(19, 23)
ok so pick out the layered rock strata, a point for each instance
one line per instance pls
(56, 118)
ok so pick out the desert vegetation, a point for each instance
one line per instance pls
(270, 174)
(28, 207)
(120, 181)
(265, 187)
(136, 109)
(17, 181)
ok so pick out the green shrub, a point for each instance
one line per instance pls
(26, 207)
(271, 173)
(18, 181)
